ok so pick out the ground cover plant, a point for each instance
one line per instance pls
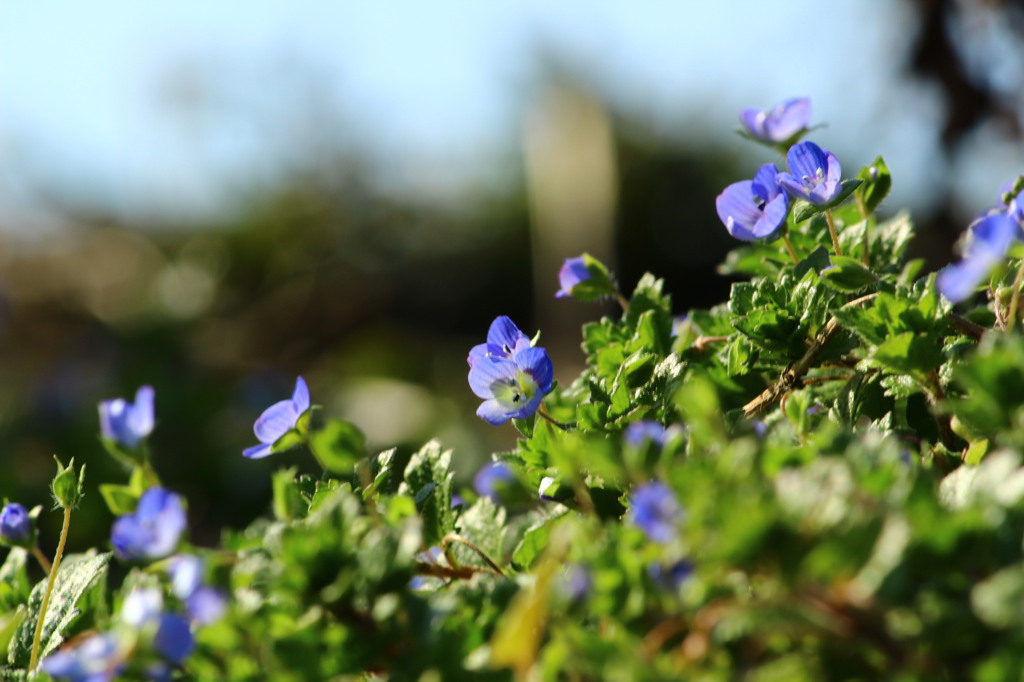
(818, 479)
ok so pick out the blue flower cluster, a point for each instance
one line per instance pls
(757, 209)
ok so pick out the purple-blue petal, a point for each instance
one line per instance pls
(805, 159)
(300, 397)
(488, 372)
(765, 184)
(15, 524)
(493, 412)
(737, 210)
(572, 272)
(206, 605)
(536, 363)
(173, 639)
(276, 421)
(505, 334)
(153, 530)
(787, 119)
(257, 451)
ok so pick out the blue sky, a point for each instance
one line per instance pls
(92, 93)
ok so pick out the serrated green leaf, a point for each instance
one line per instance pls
(431, 466)
(847, 275)
(78, 574)
(483, 524)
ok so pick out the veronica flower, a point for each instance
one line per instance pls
(654, 510)
(639, 433)
(126, 423)
(991, 238)
(491, 477)
(510, 375)
(203, 603)
(153, 530)
(98, 658)
(16, 525)
(779, 124)
(504, 339)
(754, 209)
(278, 419)
(572, 272)
(670, 576)
(814, 174)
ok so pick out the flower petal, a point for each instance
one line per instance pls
(737, 210)
(805, 160)
(276, 421)
(257, 451)
(789, 118)
(505, 334)
(493, 412)
(485, 374)
(536, 362)
(301, 395)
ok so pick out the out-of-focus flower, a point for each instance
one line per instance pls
(125, 423)
(754, 209)
(510, 375)
(653, 508)
(670, 576)
(96, 659)
(646, 431)
(173, 639)
(279, 419)
(991, 238)
(153, 530)
(814, 174)
(203, 603)
(780, 123)
(491, 478)
(585, 278)
(16, 525)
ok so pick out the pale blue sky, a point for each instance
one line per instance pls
(90, 92)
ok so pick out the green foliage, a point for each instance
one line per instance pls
(839, 452)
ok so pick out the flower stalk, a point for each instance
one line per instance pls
(34, 658)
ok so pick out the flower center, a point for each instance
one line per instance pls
(515, 391)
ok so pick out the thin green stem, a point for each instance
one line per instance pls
(622, 301)
(543, 413)
(867, 229)
(41, 558)
(49, 589)
(832, 231)
(789, 247)
(1015, 298)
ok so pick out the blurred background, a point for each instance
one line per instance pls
(213, 198)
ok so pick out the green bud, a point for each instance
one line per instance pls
(67, 484)
(877, 181)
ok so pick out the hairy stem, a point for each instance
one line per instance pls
(832, 231)
(34, 659)
(41, 558)
(789, 247)
(1015, 298)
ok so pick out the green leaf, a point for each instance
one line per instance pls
(338, 446)
(14, 585)
(288, 501)
(120, 499)
(78, 574)
(909, 353)
(535, 540)
(483, 524)
(847, 275)
(428, 479)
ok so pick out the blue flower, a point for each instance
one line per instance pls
(125, 423)
(670, 576)
(97, 659)
(504, 339)
(646, 431)
(491, 477)
(991, 238)
(779, 124)
(654, 510)
(153, 530)
(16, 525)
(278, 419)
(572, 272)
(754, 209)
(204, 604)
(814, 174)
(173, 639)
(510, 375)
